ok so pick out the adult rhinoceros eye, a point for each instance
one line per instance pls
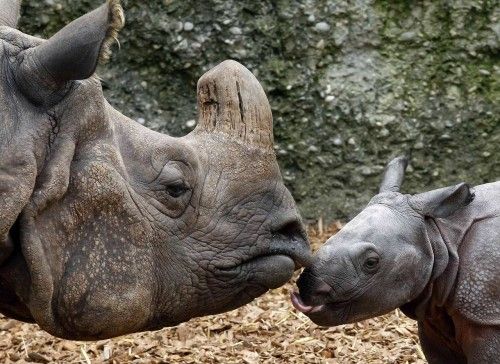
(173, 182)
(177, 189)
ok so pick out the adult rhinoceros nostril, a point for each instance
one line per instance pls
(291, 229)
(290, 238)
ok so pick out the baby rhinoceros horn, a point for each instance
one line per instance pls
(394, 175)
(231, 101)
(9, 12)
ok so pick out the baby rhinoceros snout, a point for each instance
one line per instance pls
(313, 290)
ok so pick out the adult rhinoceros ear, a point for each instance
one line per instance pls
(74, 52)
(442, 202)
(9, 12)
(232, 102)
(394, 175)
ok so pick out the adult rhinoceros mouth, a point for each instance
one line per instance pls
(271, 269)
(300, 256)
(288, 244)
(263, 272)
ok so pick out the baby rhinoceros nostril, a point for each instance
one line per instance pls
(313, 291)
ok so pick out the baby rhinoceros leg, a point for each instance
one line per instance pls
(481, 344)
(437, 346)
(6, 248)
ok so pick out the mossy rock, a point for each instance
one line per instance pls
(351, 85)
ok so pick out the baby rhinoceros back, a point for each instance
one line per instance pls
(477, 295)
(435, 255)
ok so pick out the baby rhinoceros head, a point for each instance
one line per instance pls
(107, 227)
(380, 260)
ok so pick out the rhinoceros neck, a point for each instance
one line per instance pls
(443, 275)
(484, 206)
(447, 238)
(454, 230)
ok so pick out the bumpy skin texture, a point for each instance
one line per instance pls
(108, 228)
(477, 295)
(481, 344)
(436, 255)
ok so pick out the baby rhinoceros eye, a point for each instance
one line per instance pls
(371, 262)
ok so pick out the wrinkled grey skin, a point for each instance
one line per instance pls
(108, 228)
(435, 255)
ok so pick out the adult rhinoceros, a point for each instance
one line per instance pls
(109, 228)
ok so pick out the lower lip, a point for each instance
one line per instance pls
(302, 307)
(270, 271)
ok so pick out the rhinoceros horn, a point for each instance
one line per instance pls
(9, 12)
(232, 102)
(394, 175)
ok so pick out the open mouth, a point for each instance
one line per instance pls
(299, 304)
(325, 314)
(302, 307)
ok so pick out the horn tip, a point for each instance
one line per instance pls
(401, 159)
(232, 101)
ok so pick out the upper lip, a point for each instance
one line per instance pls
(288, 238)
(302, 257)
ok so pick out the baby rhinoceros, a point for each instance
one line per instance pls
(435, 255)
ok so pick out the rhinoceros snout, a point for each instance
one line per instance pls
(313, 290)
(290, 238)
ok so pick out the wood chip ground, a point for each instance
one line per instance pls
(269, 330)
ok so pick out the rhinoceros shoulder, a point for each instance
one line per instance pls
(477, 293)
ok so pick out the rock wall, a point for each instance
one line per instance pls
(351, 83)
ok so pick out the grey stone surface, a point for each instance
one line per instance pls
(351, 83)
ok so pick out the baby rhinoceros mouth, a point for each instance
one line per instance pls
(314, 294)
(299, 304)
(316, 299)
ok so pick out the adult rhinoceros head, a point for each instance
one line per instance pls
(107, 227)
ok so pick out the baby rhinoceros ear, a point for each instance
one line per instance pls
(74, 52)
(442, 202)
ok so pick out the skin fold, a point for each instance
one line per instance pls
(435, 255)
(107, 227)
